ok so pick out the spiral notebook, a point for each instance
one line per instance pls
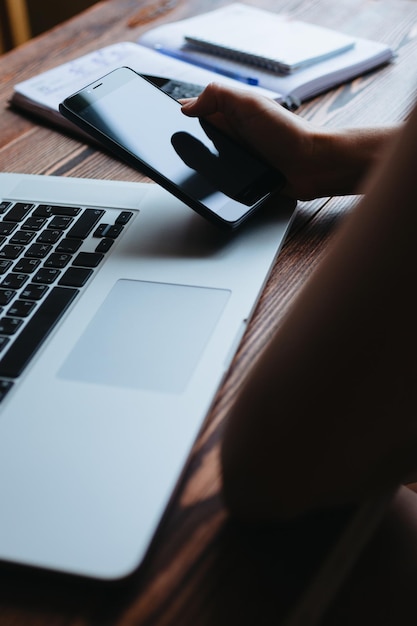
(257, 37)
(292, 88)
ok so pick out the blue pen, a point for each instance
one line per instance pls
(248, 80)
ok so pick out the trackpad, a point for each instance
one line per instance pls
(146, 336)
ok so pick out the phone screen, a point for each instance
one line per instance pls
(189, 157)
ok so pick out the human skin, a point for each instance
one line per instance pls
(327, 415)
(315, 161)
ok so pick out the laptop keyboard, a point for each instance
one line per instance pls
(48, 253)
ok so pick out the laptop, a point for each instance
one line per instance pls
(121, 310)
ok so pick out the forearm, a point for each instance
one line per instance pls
(341, 161)
(328, 415)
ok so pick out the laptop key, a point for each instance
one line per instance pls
(14, 281)
(47, 210)
(11, 251)
(33, 223)
(49, 236)
(58, 260)
(104, 245)
(26, 266)
(124, 217)
(7, 227)
(113, 231)
(37, 250)
(85, 223)
(9, 325)
(22, 237)
(46, 276)
(100, 230)
(69, 245)
(88, 259)
(75, 276)
(18, 212)
(4, 266)
(60, 222)
(21, 308)
(6, 296)
(34, 292)
(36, 330)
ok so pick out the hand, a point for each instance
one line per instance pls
(315, 162)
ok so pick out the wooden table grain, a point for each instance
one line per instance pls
(201, 569)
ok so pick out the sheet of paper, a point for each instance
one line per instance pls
(50, 88)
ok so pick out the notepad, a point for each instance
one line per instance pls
(257, 37)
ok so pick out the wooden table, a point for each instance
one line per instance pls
(202, 570)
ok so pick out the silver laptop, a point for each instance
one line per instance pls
(121, 310)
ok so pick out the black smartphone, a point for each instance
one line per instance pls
(189, 157)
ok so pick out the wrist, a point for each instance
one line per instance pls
(343, 159)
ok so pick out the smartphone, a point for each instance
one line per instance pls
(189, 157)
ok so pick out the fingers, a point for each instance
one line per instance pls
(230, 109)
(205, 104)
(186, 101)
(214, 99)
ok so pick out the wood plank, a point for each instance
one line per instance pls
(200, 571)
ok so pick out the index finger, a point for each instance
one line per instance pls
(214, 99)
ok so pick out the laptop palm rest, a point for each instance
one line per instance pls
(152, 344)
